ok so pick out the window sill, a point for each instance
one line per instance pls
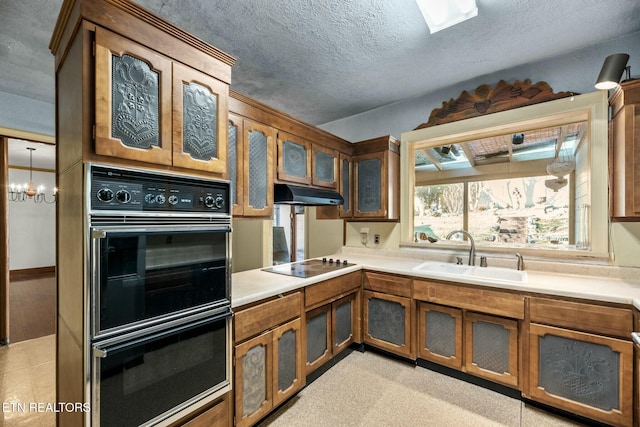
(562, 254)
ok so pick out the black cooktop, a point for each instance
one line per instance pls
(309, 268)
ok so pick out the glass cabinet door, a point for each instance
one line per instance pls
(288, 364)
(325, 167)
(253, 379)
(346, 186)
(258, 149)
(294, 159)
(235, 153)
(199, 121)
(370, 195)
(133, 100)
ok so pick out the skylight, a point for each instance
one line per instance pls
(441, 14)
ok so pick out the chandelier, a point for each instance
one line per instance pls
(20, 193)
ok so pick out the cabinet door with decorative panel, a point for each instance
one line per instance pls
(491, 348)
(288, 362)
(344, 321)
(235, 132)
(294, 159)
(324, 165)
(440, 334)
(387, 322)
(259, 141)
(583, 373)
(133, 100)
(253, 379)
(346, 186)
(318, 333)
(370, 177)
(199, 121)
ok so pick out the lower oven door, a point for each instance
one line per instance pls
(156, 378)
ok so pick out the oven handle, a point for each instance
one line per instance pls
(102, 350)
(100, 232)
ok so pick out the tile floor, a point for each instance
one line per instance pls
(27, 383)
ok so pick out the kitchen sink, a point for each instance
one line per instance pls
(443, 268)
(489, 274)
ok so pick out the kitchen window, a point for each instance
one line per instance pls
(498, 212)
(490, 176)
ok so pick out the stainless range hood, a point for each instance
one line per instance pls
(296, 195)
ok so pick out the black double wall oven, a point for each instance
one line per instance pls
(160, 294)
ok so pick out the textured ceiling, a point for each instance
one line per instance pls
(321, 60)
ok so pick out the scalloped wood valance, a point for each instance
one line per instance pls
(486, 100)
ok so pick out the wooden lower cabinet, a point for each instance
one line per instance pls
(268, 369)
(330, 329)
(387, 321)
(491, 348)
(440, 334)
(583, 373)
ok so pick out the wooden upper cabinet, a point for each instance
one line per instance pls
(294, 159)
(324, 165)
(133, 100)
(624, 152)
(152, 109)
(199, 121)
(376, 164)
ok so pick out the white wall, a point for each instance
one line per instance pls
(573, 72)
(32, 226)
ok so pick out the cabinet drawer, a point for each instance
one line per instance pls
(262, 317)
(388, 284)
(331, 289)
(582, 316)
(217, 415)
(478, 299)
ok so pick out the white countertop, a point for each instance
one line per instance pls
(254, 285)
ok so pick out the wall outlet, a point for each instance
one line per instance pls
(376, 239)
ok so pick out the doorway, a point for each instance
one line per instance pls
(288, 233)
(29, 287)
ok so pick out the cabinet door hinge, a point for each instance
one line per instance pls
(93, 132)
(93, 48)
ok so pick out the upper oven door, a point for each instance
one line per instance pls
(142, 276)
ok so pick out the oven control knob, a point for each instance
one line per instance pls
(219, 202)
(105, 194)
(160, 199)
(173, 199)
(123, 196)
(150, 198)
(209, 201)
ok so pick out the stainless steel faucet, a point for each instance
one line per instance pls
(472, 251)
(520, 264)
